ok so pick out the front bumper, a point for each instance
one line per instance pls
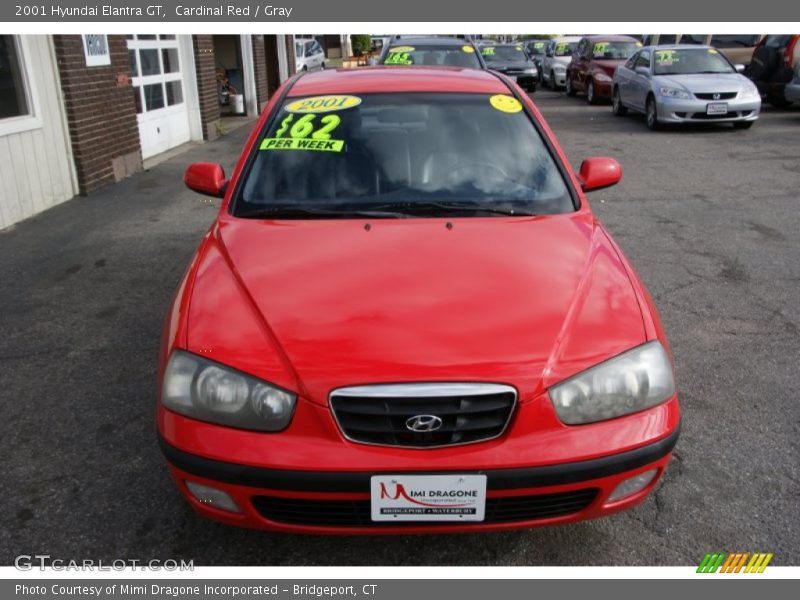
(692, 110)
(318, 483)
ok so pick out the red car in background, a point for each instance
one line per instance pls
(406, 318)
(593, 63)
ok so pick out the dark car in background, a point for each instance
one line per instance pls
(536, 50)
(431, 52)
(512, 60)
(593, 64)
(772, 67)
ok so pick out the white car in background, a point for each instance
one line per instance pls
(556, 57)
(308, 55)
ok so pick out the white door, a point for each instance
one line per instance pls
(158, 78)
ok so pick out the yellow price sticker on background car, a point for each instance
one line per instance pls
(561, 47)
(488, 51)
(665, 57)
(399, 58)
(322, 104)
(401, 49)
(600, 49)
(505, 103)
(469, 49)
(712, 51)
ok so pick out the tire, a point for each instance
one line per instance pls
(591, 96)
(305, 68)
(553, 84)
(532, 88)
(743, 124)
(617, 107)
(322, 66)
(568, 85)
(651, 114)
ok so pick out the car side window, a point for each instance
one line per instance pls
(629, 64)
(643, 59)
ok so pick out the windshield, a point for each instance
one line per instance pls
(614, 50)
(686, 62)
(493, 54)
(433, 55)
(402, 154)
(565, 48)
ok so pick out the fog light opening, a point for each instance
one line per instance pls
(212, 497)
(632, 485)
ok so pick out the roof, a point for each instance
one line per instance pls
(398, 79)
(679, 47)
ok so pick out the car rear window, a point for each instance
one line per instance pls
(433, 55)
(337, 154)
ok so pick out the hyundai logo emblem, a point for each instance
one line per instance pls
(423, 423)
(717, 96)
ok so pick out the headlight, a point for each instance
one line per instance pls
(750, 91)
(602, 77)
(207, 391)
(628, 383)
(530, 70)
(674, 93)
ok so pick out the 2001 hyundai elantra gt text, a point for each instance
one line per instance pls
(406, 318)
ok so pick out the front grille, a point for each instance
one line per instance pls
(356, 513)
(460, 413)
(722, 96)
(707, 117)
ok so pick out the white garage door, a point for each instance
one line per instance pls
(158, 78)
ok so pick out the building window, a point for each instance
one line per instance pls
(13, 98)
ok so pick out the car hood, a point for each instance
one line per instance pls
(703, 82)
(521, 301)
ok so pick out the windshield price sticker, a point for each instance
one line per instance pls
(322, 104)
(401, 49)
(399, 58)
(505, 103)
(561, 47)
(488, 51)
(600, 49)
(306, 133)
(428, 497)
(665, 58)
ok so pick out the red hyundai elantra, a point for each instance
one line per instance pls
(406, 318)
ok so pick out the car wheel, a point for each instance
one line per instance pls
(553, 84)
(532, 88)
(305, 68)
(651, 114)
(568, 84)
(743, 124)
(616, 104)
(591, 98)
(322, 66)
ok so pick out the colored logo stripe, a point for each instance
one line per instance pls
(733, 563)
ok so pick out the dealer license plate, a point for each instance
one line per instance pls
(716, 108)
(428, 497)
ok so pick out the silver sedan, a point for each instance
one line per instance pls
(684, 84)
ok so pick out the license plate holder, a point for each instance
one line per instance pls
(444, 498)
(716, 108)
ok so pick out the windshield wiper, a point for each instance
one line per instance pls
(453, 207)
(302, 212)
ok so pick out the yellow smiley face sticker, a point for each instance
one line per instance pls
(505, 103)
(468, 49)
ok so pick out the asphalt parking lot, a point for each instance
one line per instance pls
(709, 217)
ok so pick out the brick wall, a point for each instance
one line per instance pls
(205, 67)
(101, 113)
(260, 67)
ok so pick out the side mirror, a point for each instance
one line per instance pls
(739, 68)
(206, 178)
(599, 172)
(642, 71)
